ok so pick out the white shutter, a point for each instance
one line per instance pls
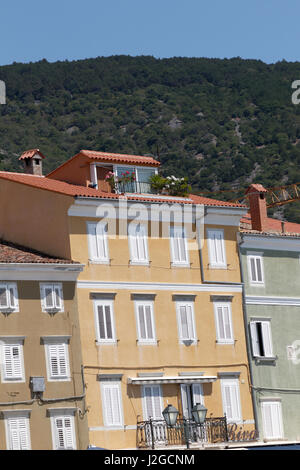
(18, 429)
(178, 245)
(112, 404)
(254, 339)
(267, 339)
(138, 243)
(216, 248)
(105, 322)
(57, 296)
(185, 400)
(223, 323)
(48, 297)
(3, 296)
(231, 399)
(58, 360)
(197, 393)
(13, 362)
(64, 432)
(153, 402)
(255, 268)
(142, 323)
(272, 419)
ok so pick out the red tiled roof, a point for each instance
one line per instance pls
(274, 226)
(12, 253)
(31, 153)
(256, 187)
(120, 158)
(73, 190)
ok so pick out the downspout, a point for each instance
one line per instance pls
(240, 242)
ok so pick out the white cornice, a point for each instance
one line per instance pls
(272, 242)
(158, 286)
(268, 300)
(39, 271)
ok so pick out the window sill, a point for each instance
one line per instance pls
(222, 342)
(107, 343)
(99, 261)
(174, 264)
(212, 266)
(146, 343)
(139, 263)
(265, 360)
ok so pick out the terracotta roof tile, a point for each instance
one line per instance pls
(120, 158)
(12, 253)
(213, 202)
(273, 226)
(31, 153)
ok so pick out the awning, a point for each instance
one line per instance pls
(192, 379)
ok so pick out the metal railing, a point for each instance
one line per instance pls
(156, 433)
(134, 187)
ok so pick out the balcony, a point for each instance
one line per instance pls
(155, 434)
(134, 187)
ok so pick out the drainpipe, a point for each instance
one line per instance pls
(248, 344)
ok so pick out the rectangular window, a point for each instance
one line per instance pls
(152, 402)
(13, 362)
(185, 321)
(138, 244)
(98, 242)
(8, 297)
(104, 317)
(63, 432)
(52, 297)
(179, 248)
(223, 321)
(216, 248)
(255, 269)
(57, 357)
(190, 395)
(231, 399)
(111, 403)
(17, 431)
(261, 338)
(145, 322)
(272, 419)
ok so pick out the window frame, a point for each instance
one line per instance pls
(12, 342)
(144, 401)
(132, 238)
(190, 322)
(271, 402)
(63, 414)
(213, 263)
(233, 382)
(53, 286)
(112, 385)
(145, 303)
(105, 302)
(256, 256)
(93, 240)
(57, 341)
(17, 415)
(177, 262)
(9, 307)
(264, 340)
(219, 339)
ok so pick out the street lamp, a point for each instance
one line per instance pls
(199, 413)
(170, 415)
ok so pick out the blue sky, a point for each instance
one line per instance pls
(31, 30)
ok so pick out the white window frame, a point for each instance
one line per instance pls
(97, 234)
(104, 303)
(192, 335)
(274, 405)
(11, 290)
(144, 401)
(54, 286)
(213, 261)
(22, 418)
(150, 305)
(113, 387)
(134, 244)
(266, 333)
(10, 343)
(62, 342)
(234, 391)
(255, 257)
(189, 396)
(228, 336)
(175, 231)
(63, 414)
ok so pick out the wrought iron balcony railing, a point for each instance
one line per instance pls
(156, 433)
(134, 187)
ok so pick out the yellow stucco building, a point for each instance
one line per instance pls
(159, 298)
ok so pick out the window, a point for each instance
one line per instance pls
(13, 362)
(179, 249)
(57, 359)
(185, 320)
(145, 322)
(17, 430)
(63, 432)
(272, 419)
(152, 402)
(138, 244)
(223, 321)
(190, 395)
(111, 403)
(8, 297)
(216, 248)
(255, 269)
(98, 242)
(52, 297)
(231, 399)
(261, 338)
(105, 330)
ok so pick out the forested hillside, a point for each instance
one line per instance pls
(223, 123)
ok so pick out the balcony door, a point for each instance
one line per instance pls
(191, 394)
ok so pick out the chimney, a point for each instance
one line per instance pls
(32, 160)
(258, 207)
